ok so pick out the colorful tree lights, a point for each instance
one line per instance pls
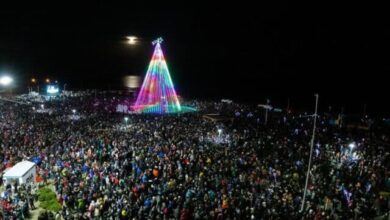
(157, 94)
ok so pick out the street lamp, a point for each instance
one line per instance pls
(47, 80)
(74, 111)
(126, 119)
(42, 106)
(352, 146)
(35, 82)
(219, 132)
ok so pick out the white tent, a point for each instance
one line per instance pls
(23, 172)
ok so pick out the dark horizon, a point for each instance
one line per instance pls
(245, 53)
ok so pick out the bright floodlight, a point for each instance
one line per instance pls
(126, 119)
(42, 106)
(219, 131)
(74, 111)
(132, 40)
(5, 80)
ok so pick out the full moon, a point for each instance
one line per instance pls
(132, 40)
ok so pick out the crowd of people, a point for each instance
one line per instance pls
(177, 167)
(17, 201)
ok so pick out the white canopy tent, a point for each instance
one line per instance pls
(24, 172)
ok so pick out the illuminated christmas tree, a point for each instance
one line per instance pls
(157, 94)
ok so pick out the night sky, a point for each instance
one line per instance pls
(245, 52)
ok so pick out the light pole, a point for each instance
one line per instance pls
(33, 82)
(311, 153)
(126, 119)
(266, 113)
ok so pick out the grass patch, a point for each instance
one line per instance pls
(48, 200)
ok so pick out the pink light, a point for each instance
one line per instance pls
(157, 94)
